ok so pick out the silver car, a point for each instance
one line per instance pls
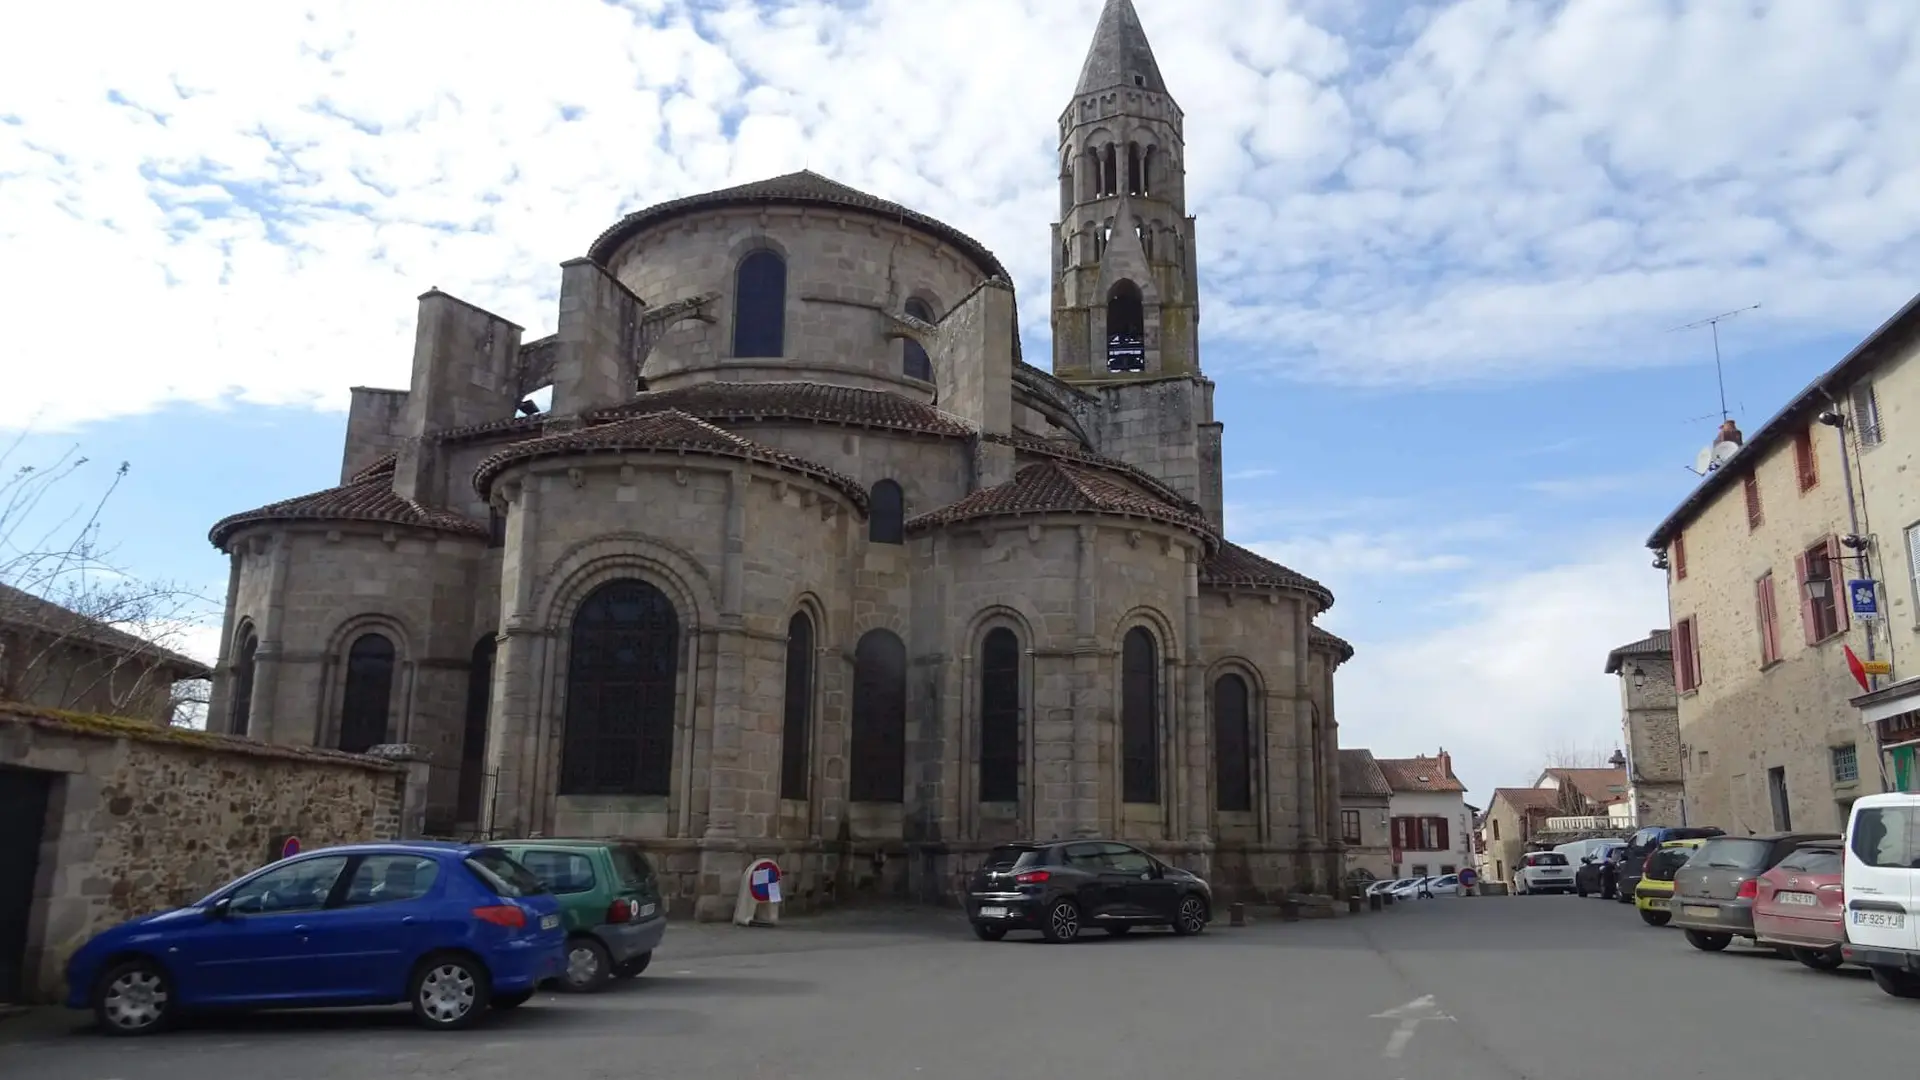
(1713, 893)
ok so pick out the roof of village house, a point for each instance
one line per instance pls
(370, 499)
(1053, 487)
(1600, 786)
(1418, 774)
(1657, 643)
(24, 610)
(803, 188)
(669, 430)
(1235, 565)
(1361, 775)
(1321, 639)
(1809, 403)
(1526, 798)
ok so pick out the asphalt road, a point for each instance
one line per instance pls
(1555, 988)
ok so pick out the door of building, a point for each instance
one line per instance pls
(23, 806)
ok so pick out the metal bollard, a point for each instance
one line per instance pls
(1289, 910)
(1373, 901)
(1353, 904)
(1386, 898)
(1236, 914)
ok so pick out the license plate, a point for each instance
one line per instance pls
(993, 913)
(1655, 904)
(1800, 899)
(646, 910)
(548, 922)
(1886, 920)
(1700, 912)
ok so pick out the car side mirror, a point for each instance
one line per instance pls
(1587, 861)
(221, 908)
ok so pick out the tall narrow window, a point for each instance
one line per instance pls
(1768, 618)
(1866, 414)
(1126, 328)
(1146, 171)
(1822, 584)
(622, 670)
(796, 731)
(915, 361)
(473, 745)
(1806, 464)
(1679, 556)
(369, 693)
(886, 514)
(1110, 184)
(1066, 189)
(1133, 168)
(1686, 655)
(1232, 746)
(1139, 718)
(1750, 483)
(1000, 716)
(496, 527)
(240, 704)
(760, 305)
(879, 758)
(1913, 562)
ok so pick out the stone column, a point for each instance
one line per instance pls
(1199, 725)
(1087, 698)
(265, 714)
(1303, 730)
(724, 794)
(514, 701)
(218, 700)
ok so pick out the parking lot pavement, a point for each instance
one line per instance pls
(1555, 988)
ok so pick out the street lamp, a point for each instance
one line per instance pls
(1818, 588)
(1639, 677)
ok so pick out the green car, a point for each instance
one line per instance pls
(609, 899)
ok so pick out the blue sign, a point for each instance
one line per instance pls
(1866, 599)
(1468, 878)
(290, 848)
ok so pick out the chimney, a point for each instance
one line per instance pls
(1730, 432)
(1446, 762)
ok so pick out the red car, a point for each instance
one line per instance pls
(1799, 905)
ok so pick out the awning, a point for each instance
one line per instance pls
(1889, 701)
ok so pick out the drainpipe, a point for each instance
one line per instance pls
(1855, 515)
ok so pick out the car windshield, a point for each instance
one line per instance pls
(1733, 853)
(504, 876)
(1665, 861)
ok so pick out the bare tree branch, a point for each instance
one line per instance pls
(1569, 754)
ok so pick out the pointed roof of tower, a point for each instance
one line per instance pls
(1120, 53)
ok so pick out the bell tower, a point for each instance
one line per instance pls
(1126, 307)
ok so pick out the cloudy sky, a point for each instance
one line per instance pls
(1444, 247)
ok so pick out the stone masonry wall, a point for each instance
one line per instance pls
(142, 819)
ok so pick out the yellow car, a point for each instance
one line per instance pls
(1655, 890)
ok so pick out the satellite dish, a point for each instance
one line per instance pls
(1703, 463)
(1722, 451)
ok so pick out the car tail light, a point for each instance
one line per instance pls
(1646, 868)
(505, 915)
(1749, 890)
(622, 911)
(1032, 877)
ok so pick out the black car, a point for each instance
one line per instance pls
(1643, 844)
(1062, 887)
(1599, 874)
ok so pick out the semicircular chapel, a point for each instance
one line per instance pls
(805, 561)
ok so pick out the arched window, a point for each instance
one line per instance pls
(1139, 718)
(760, 305)
(886, 514)
(622, 667)
(1066, 252)
(1133, 168)
(1066, 189)
(1109, 182)
(879, 758)
(240, 703)
(1126, 328)
(1232, 745)
(796, 729)
(369, 694)
(1000, 716)
(915, 362)
(1090, 185)
(473, 744)
(1146, 171)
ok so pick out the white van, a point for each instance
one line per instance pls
(1882, 891)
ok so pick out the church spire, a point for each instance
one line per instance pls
(1120, 55)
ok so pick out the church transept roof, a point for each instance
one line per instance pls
(369, 496)
(1234, 565)
(720, 402)
(1054, 487)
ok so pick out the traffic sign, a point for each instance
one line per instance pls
(290, 847)
(765, 881)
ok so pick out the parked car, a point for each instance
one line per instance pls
(1543, 872)
(1444, 885)
(1386, 885)
(1653, 896)
(1799, 907)
(1409, 888)
(1060, 888)
(609, 901)
(449, 928)
(1641, 845)
(1714, 892)
(1596, 873)
(1882, 894)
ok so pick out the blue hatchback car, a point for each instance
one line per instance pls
(449, 928)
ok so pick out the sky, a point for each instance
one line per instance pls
(1444, 251)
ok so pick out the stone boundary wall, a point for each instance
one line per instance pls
(142, 818)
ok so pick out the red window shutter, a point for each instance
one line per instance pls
(1680, 556)
(1809, 624)
(1680, 655)
(1842, 599)
(1693, 650)
(1763, 607)
(1751, 482)
(1443, 839)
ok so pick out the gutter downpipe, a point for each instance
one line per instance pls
(1866, 554)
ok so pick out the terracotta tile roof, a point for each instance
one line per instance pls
(1361, 775)
(1419, 774)
(383, 466)
(1235, 565)
(804, 188)
(506, 425)
(36, 615)
(1028, 444)
(1526, 798)
(720, 402)
(670, 431)
(1320, 639)
(371, 499)
(1052, 487)
(1657, 643)
(1602, 787)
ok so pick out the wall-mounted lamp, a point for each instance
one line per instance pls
(1659, 560)
(1833, 418)
(1854, 542)
(1639, 677)
(1819, 588)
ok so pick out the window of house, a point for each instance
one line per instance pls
(369, 693)
(1000, 716)
(1913, 564)
(915, 362)
(1777, 795)
(1846, 764)
(760, 305)
(1232, 750)
(1496, 829)
(796, 729)
(886, 514)
(1139, 717)
(1419, 870)
(623, 668)
(1750, 483)
(1866, 414)
(1350, 826)
(879, 765)
(1821, 586)
(1704, 761)
(1806, 466)
(1680, 556)
(1433, 834)
(1686, 655)
(1768, 619)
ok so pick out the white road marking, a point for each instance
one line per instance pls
(1410, 1015)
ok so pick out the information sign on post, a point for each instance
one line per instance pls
(1864, 597)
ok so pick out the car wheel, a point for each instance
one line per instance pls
(633, 966)
(1900, 984)
(1655, 918)
(449, 991)
(1062, 924)
(134, 997)
(513, 1000)
(1191, 918)
(589, 966)
(1820, 959)
(1118, 931)
(988, 933)
(1707, 941)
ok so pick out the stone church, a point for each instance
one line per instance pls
(805, 561)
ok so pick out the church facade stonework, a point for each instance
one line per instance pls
(805, 562)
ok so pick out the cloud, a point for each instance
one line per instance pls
(1479, 191)
(1573, 488)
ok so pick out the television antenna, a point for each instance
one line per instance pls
(1719, 373)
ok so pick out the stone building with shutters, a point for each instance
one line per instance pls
(805, 561)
